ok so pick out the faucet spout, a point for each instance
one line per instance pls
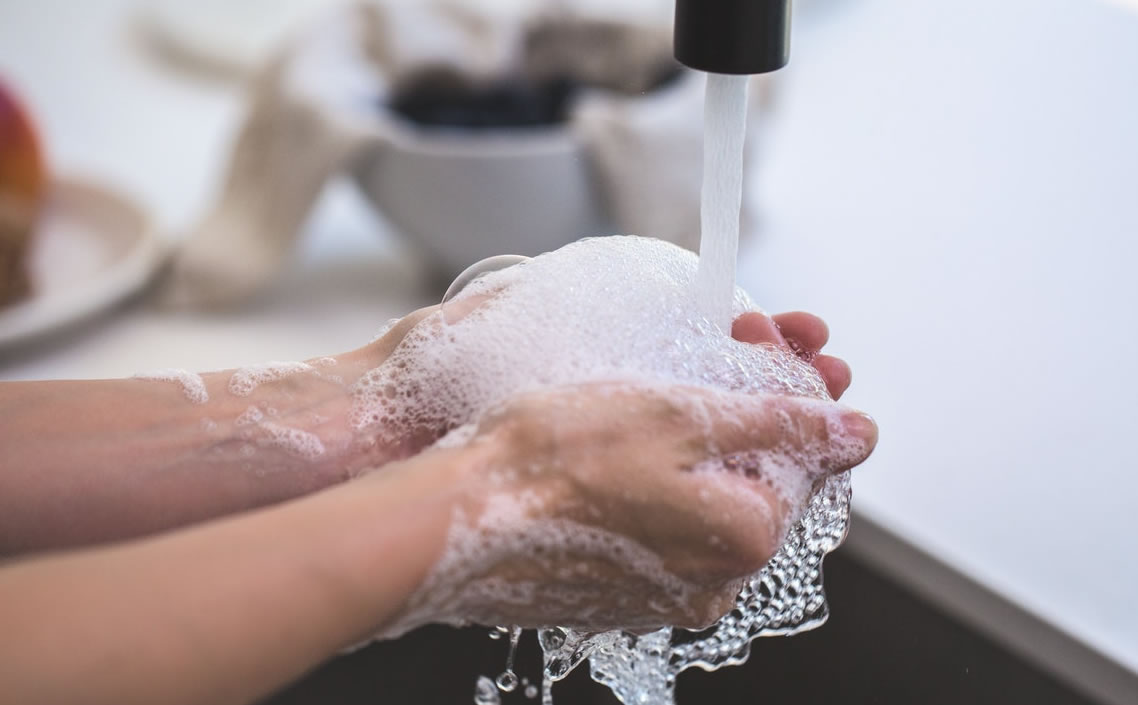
(733, 36)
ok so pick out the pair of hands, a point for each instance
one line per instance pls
(602, 506)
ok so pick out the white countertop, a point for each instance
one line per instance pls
(955, 188)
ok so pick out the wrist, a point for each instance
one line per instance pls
(281, 419)
(395, 527)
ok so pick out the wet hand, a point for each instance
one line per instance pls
(632, 506)
(805, 334)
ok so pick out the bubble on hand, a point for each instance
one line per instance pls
(245, 380)
(193, 386)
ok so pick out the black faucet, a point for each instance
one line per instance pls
(733, 36)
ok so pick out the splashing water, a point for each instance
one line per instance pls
(486, 693)
(507, 680)
(786, 596)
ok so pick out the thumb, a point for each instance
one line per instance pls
(819, 437)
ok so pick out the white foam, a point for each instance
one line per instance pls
(247, 379)
(615, 308)
(293, 441)
(250, 416)
(193, 386)
(256, 428)
(459, 591)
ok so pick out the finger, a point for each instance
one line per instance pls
(834, 437)
(756, 328)
(819, 437)
(783, 447)
(805, 332)
(835, 372)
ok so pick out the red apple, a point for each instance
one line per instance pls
(23, 180)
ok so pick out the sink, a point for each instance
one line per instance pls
(883, 645)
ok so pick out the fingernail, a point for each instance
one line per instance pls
(860, 425)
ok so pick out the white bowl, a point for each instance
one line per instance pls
(462, 196)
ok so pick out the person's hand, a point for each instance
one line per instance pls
(804, 333)
(630, 506)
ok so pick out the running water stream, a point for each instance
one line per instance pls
(725, 130)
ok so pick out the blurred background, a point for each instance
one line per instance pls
(954, 187)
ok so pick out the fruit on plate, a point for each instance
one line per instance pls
(23, 181)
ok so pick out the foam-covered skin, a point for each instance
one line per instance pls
(650, 460)
(629, 506)
(614, 308)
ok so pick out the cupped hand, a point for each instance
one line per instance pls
(804, 333)
(632, 506)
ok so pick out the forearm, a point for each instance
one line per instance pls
(85, 462)
(228, 611)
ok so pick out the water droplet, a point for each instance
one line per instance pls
(507, 681)
(551, 639)
(515, 635)
(531, 691)
(486, 693)
(557, 668)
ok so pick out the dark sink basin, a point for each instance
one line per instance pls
(883, 645)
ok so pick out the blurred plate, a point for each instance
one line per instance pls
(93, 248)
